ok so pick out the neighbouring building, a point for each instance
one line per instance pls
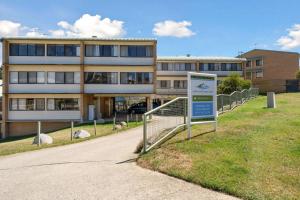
(172, 72)
(272, 71)
(56, 80)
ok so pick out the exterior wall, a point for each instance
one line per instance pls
(118, 88)
(44, 115)
(44, 88)
(19, 128)
(118, 61)
(277, 67)
(43, 60)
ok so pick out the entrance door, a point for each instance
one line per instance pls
(292, 85)
(91, 112)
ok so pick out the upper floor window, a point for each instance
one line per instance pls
(258, 62)
(63, 77)
(163, 84)
(164, 66)
(211, 66)
(201, 67)
(136, 77)
(188, 66)
(180, 84)
(248, 63)
(223, 67)
(27, 77)
(101, 50)
(233, 66)
(27, 49)
(136, 51)
(101, 77)
(63, 50)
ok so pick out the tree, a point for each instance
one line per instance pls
(298, 74)
(233, 83)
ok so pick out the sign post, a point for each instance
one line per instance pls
(202, 99)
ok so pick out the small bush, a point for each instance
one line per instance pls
(233, 83)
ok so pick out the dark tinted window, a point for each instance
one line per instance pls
(31, 49)
(70, 50)
(40, 50)
(59, 77)
(31, 77)
(13, 49)
(60, 51)
(69, 77)
(22, 49)
(51, 50)
(22, 77)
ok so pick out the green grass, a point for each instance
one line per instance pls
(255, 154)
(60, 137)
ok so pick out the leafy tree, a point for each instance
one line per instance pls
(298, 74)
(233, 83)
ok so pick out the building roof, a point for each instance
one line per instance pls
(200, 58)
(270, 51)
(77, 38)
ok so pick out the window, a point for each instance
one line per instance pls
(101, 50)
(64, 77)
(101, 78)
(63, 104)
(164, 67)
(233, 66)
(13, 104)
(258, 62)
(136, 51)
(188, 66)
(40, 104)
(211, 67)
(32, 77)
(27, 50)
(13, 77)
(201, 68)
(59, 77)
(22, 78)
(21, 104)
(248, 63)
(164, 84)
(51, 77)
(259, 74)
(29, 104)
(223, 67)
(180, 84)
(248, 75)
(136, 78)
(40, 77)
(63, 50)
(69, 77)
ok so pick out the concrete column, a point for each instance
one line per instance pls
(271, 103)
(149, 103)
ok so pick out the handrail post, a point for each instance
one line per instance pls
(184, 110)
(145, 133)
(222, 101)
(230, 102)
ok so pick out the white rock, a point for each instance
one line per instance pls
(44, 139)
(81, 134)
(123, 124)
(118, 126)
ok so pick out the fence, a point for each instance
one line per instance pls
(166, 120)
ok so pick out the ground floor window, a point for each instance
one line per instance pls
(63, 104)
(19, 104)
(164, 84)
(259, 73)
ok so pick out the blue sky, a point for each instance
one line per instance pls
(196, 27)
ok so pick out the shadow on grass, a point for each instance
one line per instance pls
(193, 137)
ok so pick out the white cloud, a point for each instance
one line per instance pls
(173, 28)
(88, 25)
(292, 40)
(9, 28)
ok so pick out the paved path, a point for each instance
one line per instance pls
(96, 169)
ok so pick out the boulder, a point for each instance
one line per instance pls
(44, 139)
(81, 134)
(123, 124)
(118, 126)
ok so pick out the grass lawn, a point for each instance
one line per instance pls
(61, 137)
(255, 154)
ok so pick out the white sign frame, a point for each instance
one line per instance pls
(190, 101)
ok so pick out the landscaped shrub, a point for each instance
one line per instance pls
(233, 83)
(298, 74)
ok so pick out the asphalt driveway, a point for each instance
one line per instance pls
(102, 168)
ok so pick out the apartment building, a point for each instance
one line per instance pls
(271, 70)
(56, 80)
(172, 72)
